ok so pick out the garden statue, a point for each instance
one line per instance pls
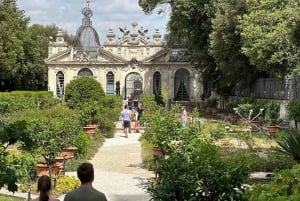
(118, 88)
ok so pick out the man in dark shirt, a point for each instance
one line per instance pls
(86, 192)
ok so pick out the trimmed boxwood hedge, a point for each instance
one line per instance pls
(23, 100)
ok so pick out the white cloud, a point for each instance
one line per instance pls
(107, 14)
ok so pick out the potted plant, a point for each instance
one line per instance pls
(52, 129)
(162, 129)
(88, 113)
(273, 116)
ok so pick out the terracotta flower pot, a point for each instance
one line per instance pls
(273, 130)
(157, 151)
(69, 152)
(44, 169)
(234, 118)
(90, 130)
(255, 125)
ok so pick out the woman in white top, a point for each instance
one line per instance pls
(44, 187)
(183, 116)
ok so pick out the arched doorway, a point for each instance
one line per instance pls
(133, 85)
(182, 85)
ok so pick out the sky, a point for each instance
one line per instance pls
(66, 14)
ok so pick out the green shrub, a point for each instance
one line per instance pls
(92, 149)
(277, 161)
(65, 184)
(273, 113)
(163, 127)
(24, 100)
(147, 154)
(289, 143)
(107, 126)
(82, 142)
(23, 164)
(112, 102)
(213, 130)
(251, 102)
(271, 161)
(244, 109)
(88, 113)
(293, 108)
(159, 100)
(232, 103)
(61, 185)
(83, 90)
(198, 173)
(11, 134)
(53, 129)
(111, 113)
(285, 186)
(149, 103)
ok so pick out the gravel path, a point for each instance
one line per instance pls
(118, 168)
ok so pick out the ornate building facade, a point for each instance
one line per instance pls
(129, 65)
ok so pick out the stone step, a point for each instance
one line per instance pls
(261, 177)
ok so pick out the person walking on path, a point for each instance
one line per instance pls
(44, 187)
(132, 120)
(86, 191)
(125, 114)
(183, 116)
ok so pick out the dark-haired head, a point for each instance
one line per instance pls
(44, 186)
(85, 172)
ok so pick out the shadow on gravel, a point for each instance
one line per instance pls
(131, 198)
(142, 182)
(139, 165)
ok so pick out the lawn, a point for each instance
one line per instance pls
(9, 198)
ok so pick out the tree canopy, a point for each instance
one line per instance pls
(23, 50)
(225, 47)
(268, 31)
(12, 25)
(235, 42)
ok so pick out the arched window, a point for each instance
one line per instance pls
(182, 85)
(110, 80)
(157, 83)
(60, 83)
(85, 72)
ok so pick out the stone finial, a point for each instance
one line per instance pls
(134, 24)
(60, 36)
(110, 35)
